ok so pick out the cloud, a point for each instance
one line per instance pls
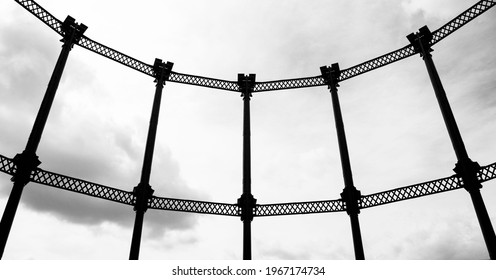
(79, 140)
(281, 254)
(454, 239)
(442, 9)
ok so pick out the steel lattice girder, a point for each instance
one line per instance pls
(325, 206)
(81, 186)
(450, 27)
(409, 192)
(204, 207)
(41, 176)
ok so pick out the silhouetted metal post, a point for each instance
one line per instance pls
(465, 167)
(350, 195)
(247, 202)
(143, 192)
(27, 161)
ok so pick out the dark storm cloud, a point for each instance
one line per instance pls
(93, 150)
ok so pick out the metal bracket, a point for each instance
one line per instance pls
(143, 194)
(352, 198)
(331, 75)
(162, 70)
(467, 171)
(26, 163)
(72, 31)
(246, 84)
(247, 204)
(421, 40)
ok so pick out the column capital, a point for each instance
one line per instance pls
(246, 85)
(162, 71)
(331, 75)
(72, 31)
(421, 40)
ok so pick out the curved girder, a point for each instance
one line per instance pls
(48, 178)
(383, 60)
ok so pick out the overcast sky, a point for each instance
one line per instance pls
(98, 124)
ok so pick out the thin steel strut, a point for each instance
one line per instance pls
(350, 195)
(143, 192)
(28, 161)
(465, 168)
(246, 202)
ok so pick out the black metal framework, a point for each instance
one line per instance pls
(469, 175)
(143, 192)
(350, 195)
(465, 168)
(40, 176)
(27, 161)
(246, 202)
(383, 60)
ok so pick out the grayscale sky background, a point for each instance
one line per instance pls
(396, 135)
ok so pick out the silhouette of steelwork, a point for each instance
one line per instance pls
(468, 174)
(450, 27)
(27, 161)
(246, 202)
(7, 165)
(465, 168)
(194, 206)
(143, 192)
(350, 195)
(298, 208)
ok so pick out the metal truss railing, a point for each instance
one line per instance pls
(409, 192)
(203, 82)
(193, 206)
(279, 209)
(476, 10)
(41, 176)
(117, 56)
(42, 14)
(81, 186)
(487, 173)
(377, 62)
(7, 165)
(465, 17)
(289, 84)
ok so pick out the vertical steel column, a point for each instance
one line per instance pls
(143, 192)
(350, 195)
(465, 168)
(27, 161)
(246, 202)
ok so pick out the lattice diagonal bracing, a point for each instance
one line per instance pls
(459, 21)
(300, 208)
(487, 173)
(465, 17)
(418, 190)
(7, 165)
(203, 82)
(83, 187)
(289, 84)
(42, 14)
(204, 207)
